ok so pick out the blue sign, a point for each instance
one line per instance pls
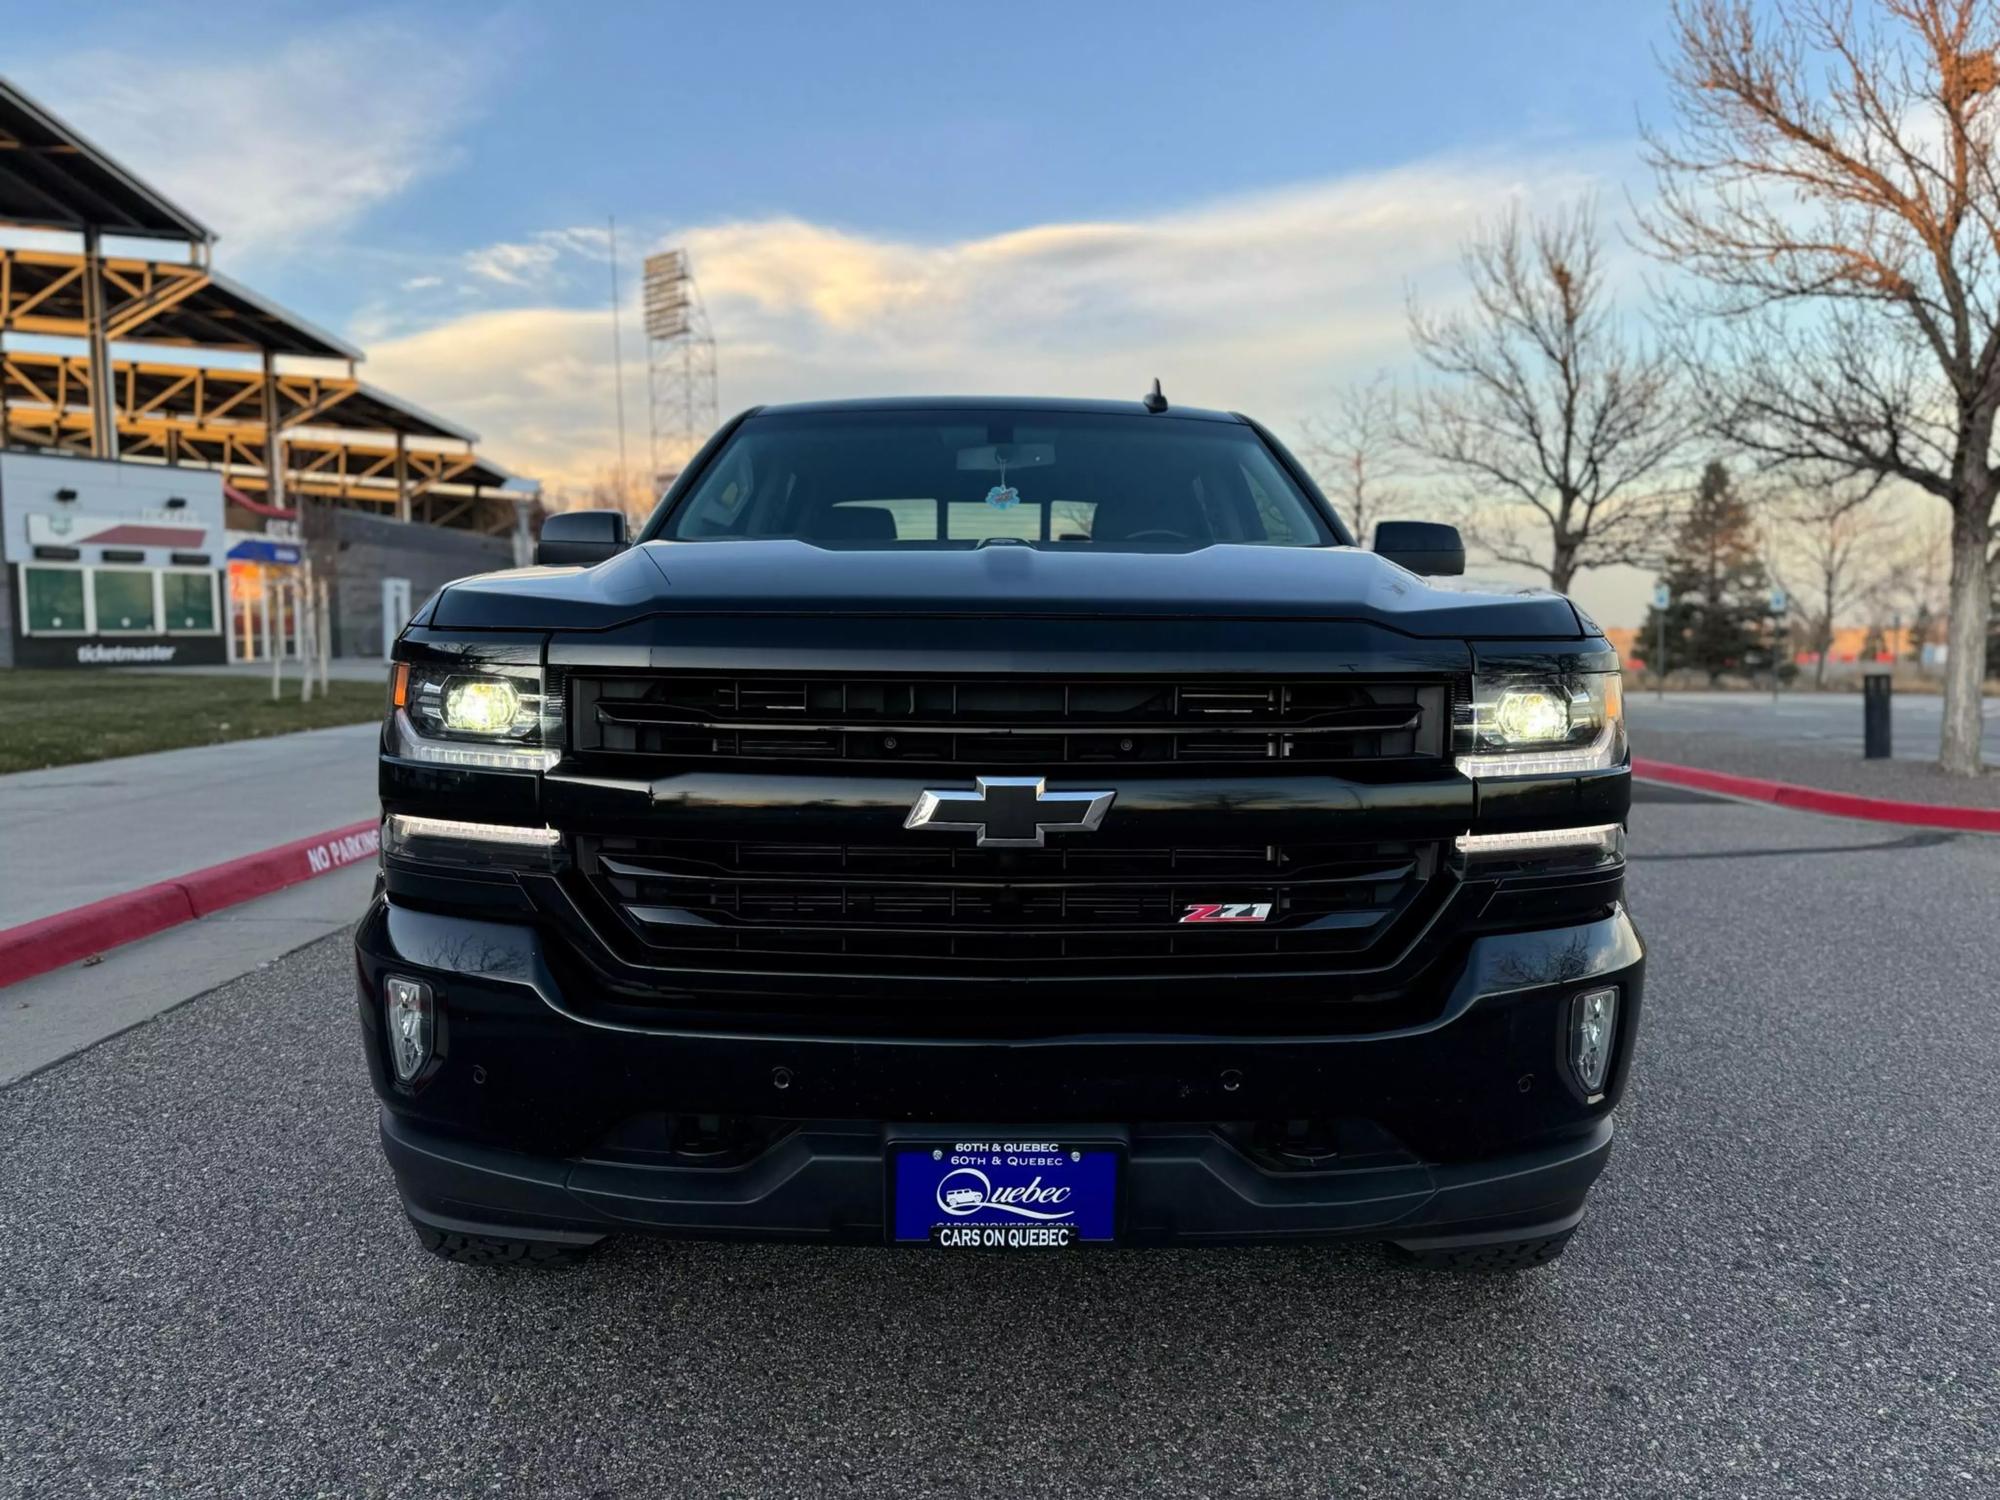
(257, 550)
(1004, 1195)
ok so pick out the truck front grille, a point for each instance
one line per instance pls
(988, 723)
(794, 906)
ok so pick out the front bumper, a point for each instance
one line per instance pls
(824, 1181)
(536, 1118)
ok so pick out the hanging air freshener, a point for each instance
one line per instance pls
(1003, 496)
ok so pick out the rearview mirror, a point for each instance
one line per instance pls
(580, 538)
(1427, 547)
(995, 458)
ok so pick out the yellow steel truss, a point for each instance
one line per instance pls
(214, 418)
(42, 291)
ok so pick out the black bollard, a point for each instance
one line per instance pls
(1875, 716)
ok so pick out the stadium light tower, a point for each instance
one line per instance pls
(680, 364)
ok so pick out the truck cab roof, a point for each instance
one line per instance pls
(1029, 404)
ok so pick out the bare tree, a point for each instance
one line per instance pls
(1826, 545)
(1917, 581)
(1355, 454)
(1835, 185)
(1558, 429)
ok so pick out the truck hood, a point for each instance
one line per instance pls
(800, 578)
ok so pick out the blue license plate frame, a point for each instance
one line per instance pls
(1004, 1191)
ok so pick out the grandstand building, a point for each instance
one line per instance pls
(171, 442)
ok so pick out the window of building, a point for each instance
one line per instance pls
(187, 602)
(52, 601)
(124, 601)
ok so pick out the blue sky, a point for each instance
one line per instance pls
(1010, 197)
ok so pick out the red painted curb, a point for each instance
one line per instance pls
(50, 942)
(1811, 799)
(235, 880)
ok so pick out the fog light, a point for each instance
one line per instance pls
(407, 1012)
(1593, 1024)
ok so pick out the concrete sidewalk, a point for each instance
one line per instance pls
(1826, 770)
(1817, 723)
(76, 834)
(339, 669)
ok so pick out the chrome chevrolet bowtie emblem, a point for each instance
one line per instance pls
(1009, 811)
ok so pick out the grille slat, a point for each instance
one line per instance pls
(983, 722)
(1376, 872)
(711, 901)
(640, 716)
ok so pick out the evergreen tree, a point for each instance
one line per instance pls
(1720, 618)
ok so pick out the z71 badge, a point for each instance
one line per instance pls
(1238, 911)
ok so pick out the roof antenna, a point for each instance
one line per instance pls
(1154, 401)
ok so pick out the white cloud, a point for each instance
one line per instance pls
(514, 264)
(276, 149)
(422, 283)
(537, 263)
(1265, 303)
(536, 383)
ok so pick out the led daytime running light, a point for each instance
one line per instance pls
(495, 757)
(403, 826)
(1596, 756)
(1606, 837)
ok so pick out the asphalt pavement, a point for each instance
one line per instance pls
(1786, 1286)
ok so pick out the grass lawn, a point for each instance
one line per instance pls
(61, 718)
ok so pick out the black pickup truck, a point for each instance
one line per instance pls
(979, 824)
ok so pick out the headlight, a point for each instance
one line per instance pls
(1543, 726)
(481, 705)
(497, 715)
(1531, 716)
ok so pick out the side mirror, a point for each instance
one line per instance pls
(581, 538)
(1421, 546)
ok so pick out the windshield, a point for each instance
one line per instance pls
(961, 478)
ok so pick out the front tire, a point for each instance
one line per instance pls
(489, 1250)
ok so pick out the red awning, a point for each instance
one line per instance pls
(136, 534)
(257, 507)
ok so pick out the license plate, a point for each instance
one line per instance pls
(1003, 1195)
